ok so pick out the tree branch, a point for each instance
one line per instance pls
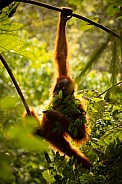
(5, 3)
(16, 84)
(97, 25)
(45, 5)
(73, 14)
(109, 89)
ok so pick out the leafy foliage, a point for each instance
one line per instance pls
(9, 40)
(70, 107)
(114, 7)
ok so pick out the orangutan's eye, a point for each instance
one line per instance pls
(58, 86)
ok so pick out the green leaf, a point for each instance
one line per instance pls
(111, 10)
(9, 42)
(111, 135)
(12, 8)
(24, 138)
(48, 177)
(85, 26)
(8, 26)
(114, 7)
(24, 52)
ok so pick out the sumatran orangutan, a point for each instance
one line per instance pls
(65, 116)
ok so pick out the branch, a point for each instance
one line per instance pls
(97, 25)
(41, 4)
(16, 84)
(73, 15)
(5, 3)
(109, 89)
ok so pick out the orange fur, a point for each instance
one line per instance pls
(63, 81)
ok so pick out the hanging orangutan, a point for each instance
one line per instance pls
(66, 117)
